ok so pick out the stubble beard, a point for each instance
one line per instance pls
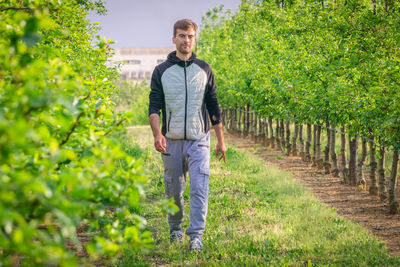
(185, 52)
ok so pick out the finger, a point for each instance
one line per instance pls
(222, 157)
(161, 148)
(164, 143)
(158, 147)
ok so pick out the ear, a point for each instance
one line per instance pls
(173, 39)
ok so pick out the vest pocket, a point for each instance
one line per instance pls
(201, 122)
(169, 121)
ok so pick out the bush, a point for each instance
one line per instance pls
(59, 166)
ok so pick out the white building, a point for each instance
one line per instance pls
(138, 63)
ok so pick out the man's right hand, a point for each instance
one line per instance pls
(160, 143)
(159, 140)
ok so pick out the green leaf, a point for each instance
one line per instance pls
(32, 25)
(31, 39)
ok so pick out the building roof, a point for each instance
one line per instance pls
(143, 50)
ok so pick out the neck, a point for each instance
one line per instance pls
(183, 56)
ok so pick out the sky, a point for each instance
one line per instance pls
(149, 23)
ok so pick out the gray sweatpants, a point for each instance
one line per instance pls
(184, 156)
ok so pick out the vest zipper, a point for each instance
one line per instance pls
(201, 122)
(169, 120)
(186, 96)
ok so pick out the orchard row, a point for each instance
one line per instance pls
(334, 64)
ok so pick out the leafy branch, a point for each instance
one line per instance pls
(116, 125)
(72, 129)
(27, 9)
(16, 8)
(75, 124)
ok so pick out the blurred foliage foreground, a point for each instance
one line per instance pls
(61, 168)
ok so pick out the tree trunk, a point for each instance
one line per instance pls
(226, 113)
(283, 141)
(394, 205)
(353, 143)
(228, 119)
(247, 120)
(271, 133)
(327, 164)
(360, 172)
(373, 188)
(236, 120)
(343, 159)
(302, 154)
(233, 118)
(277, 135)
(256, 126)
(227, 125)
(235, 128)
(251, 125)
(265, 132)
(240, 122)
(231, 110)
(288, 144)
(243, 121)
(294, 140)
(314, 157)
(308, 143)
(381, 174)
(335, 170)
(260, 129)
(319, 158)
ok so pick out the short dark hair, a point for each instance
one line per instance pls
(185, 24)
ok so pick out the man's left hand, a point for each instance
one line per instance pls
(220, 149)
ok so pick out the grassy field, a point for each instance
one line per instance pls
(258, 215)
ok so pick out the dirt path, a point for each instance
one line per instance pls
(349, 202)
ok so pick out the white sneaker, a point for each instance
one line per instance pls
(195, 244)
(176, 236)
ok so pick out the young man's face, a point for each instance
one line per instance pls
(184, 40)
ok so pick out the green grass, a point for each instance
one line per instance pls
(258, 215)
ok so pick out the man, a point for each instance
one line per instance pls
(183, 88)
